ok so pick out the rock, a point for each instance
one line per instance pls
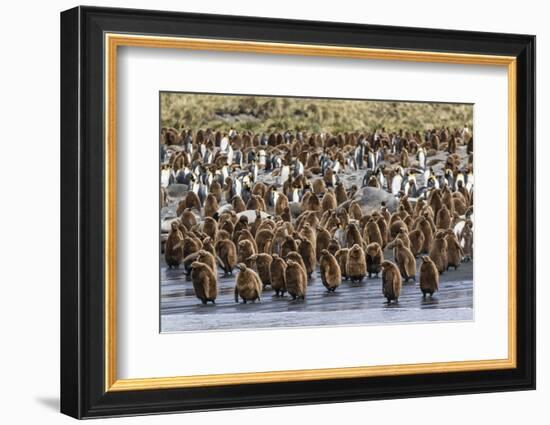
(370, 199)
(225, 208)
(175, 148)
(251, 215)
(295, 208)
(177, 190)
(166, 224)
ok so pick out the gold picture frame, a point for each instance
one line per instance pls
(91, 40)
(114, 41)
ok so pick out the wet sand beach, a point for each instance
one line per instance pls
(351, 304)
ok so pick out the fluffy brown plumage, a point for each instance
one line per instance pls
(296, 280)
(342, 257)
(372, 233)
(307, 252)
(438, 253)
(248, 285)
(227, 252)
(330, 271)
(427, 232)
(210, 227)
(277, 270)
(391, 281)
(374, 257)
(328, 203)
(205, 283)
(405, 260)
(416, 238)
(356, 267)
(210, 205)
(429, 276)
(262, 263)
(245, 250)
(173, 248)
(454, 250)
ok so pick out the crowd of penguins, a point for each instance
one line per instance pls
(275, 235)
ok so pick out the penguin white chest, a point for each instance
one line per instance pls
(275, 198)
(295, 195)
(422, 159)
(396, 184)
(165, 177)
(285, 171)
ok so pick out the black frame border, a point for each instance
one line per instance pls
(82, 212)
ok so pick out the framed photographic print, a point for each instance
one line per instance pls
(261, 212)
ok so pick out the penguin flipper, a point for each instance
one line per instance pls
(220, 262)
(177, 245)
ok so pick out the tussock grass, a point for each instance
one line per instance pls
(262, 113)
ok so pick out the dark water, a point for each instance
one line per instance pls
(351, 304)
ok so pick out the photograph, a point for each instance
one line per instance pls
(284, 211)
(264, 211)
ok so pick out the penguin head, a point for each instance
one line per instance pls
(385, 264)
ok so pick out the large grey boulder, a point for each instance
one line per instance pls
(295, 208)
(177, 190)
(251, 215)
(370, 199)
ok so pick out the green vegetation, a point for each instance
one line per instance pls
(263, 113)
